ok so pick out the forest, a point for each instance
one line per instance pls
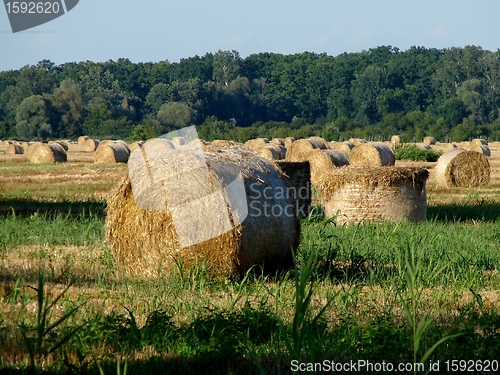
(450, 94)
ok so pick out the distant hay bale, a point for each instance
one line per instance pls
(320, 143)
(300, 148)
(461, 168)
(178, 141)
(135, 145)
(482, 149)
(323, 162)
(82, 139)
(344, 147)
(115, 152)
(357, 141)
(298, 184)
(395, 140)
(90, 145)
(145, 223)
(268, 152)
(61, 143)
(479, 142)
(430, 140)
(46, 153)
(288, 141)
(278, 141)
(255, 144)
(423, 146)
(13, 149)
(360, 194)
(221, 143)
(375, 154)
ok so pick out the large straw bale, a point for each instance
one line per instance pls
(147, 219)
(323, 162)
(13, 149)
(288, 141)
(278, 141)
(423, 146)
(360, 194)
(115, 152)
(461, 168)
(255, 144)
(63, 144)
(46, 153)
(430, 140)
(482, 149)
(135, 145)
(375, 154)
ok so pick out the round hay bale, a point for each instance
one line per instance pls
(357, 141)
(178, 141)
(255, 144)
(46, 153)
(13, 149)
(319, 142)
(344, 147)
(479, 142)
(288, 141)
(299, 149)
(430, 140)
(111, 153)
(222, 143)
(375, 154)
(482, 149)
(395, 140)
(323, 162)
(461, 168)
(361, 194)
(147, 220)
(135, 145)
(423, 146)
(268, 152)
(90, 145)
(278, 141)
(82, 139)
(61, 143)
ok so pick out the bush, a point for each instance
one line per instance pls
(413, 152)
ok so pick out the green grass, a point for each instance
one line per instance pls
(378, 292)
(413, 152)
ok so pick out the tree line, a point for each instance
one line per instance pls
(452, 94)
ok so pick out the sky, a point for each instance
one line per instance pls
(158, 30)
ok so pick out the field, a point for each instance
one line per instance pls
(381, 294)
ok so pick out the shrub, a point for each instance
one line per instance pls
(413, 152)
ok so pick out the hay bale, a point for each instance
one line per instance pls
(479, 142)
(375, 154)
(255, 144)
(288, 141)
(221, 143)
(423, 146)
(147, 221)
(46, 153)
(344, 147)
(178, 141)
(82, 139)
(268, 152)
(135, 145)
(62, 143)
(90, 145)
(299, 149)
(357, 141)
(13, 149)
(298, 184)
(278, 141)
(360, 194)
(323, 162)
(319, 142)
(482, 149)
(115, 152)
(461, 168)
(395, 140)
(430, 140)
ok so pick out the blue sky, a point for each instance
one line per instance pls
(155, 30)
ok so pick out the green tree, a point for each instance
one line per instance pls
(33, 118)
(175, 115)
(67, 99)
(97, 116)
(226, 66)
